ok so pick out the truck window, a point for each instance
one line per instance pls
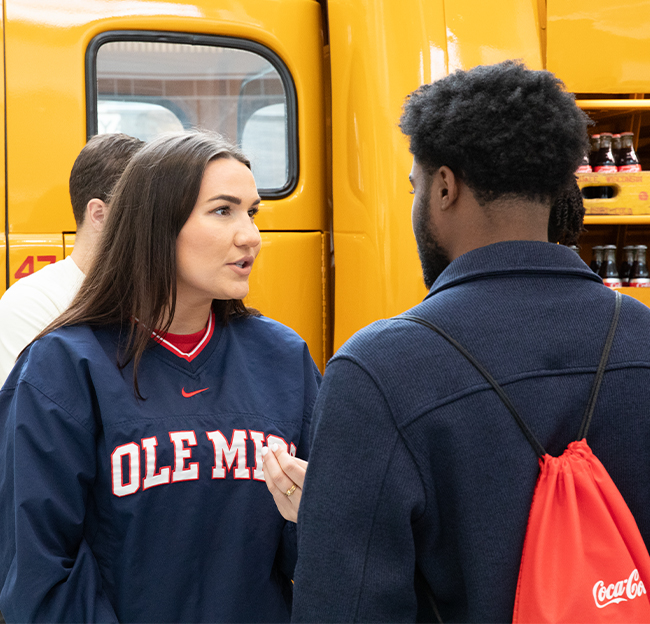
(146, 84)
(139, 119)
(263, 140)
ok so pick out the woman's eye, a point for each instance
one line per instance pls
(252, 212)
(222, 211)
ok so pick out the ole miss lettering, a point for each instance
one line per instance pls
(134, 466)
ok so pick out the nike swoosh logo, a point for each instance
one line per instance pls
(187, 395)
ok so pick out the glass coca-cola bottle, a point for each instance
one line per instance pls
(639, 277)
(595, 146)
(616, 147)
(605, 162)
(596, 258)
(625, 269)
(627, 160)
(608, 270)
(584, 167)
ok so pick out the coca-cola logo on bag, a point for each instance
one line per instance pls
(631, 587)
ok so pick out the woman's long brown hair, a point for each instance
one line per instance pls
(133, 275)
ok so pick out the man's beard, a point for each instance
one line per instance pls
(433, 257)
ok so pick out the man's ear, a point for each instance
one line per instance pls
(96, 211)
(446, 187)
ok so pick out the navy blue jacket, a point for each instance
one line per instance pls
(420, 481)
(150, 511)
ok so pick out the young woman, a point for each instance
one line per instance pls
(132, 429)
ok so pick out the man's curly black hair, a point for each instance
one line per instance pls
(503, 129)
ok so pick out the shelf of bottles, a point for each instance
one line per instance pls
(615, 183)
(630, 275)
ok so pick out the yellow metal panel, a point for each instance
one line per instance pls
(360, 299)
(600, 46)
(623, 106)
(3, 265)
(631, 193)
(380, 51)
(483, 33)
(3, 242)
(288, 284)
(641, 294)
(30, 252)
(617, 220)
(45, 48)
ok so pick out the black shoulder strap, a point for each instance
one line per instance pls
(537, 447)
(593, 395)
(591, 404)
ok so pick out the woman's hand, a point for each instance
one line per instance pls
(285, 476)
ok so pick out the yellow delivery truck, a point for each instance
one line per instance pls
(312, 91)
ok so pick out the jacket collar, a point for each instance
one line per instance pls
(513, 258)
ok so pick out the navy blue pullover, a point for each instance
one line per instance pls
(420, 482)
(114, 509)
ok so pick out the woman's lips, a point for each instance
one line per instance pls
(243, 266)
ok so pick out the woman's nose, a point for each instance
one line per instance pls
(247, 234)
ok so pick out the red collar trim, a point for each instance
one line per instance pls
(194, 352)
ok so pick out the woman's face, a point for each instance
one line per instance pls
(216, 247)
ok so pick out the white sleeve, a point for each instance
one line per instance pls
(24, 312)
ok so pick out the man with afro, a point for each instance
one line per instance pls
(420, 481)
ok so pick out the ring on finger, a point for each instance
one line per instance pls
(291, 490)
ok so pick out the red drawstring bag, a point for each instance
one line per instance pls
(584, 559)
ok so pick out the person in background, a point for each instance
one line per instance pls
(33, 302)
(132, 428)
(420, 482)
(565, 224)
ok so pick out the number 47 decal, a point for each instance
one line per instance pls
(27, 267)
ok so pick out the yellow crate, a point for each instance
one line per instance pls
(640, 294)
(631, 193)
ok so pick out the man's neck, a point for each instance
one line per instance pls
(83, 252)
(500, 221)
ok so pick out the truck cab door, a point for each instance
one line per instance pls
(148, 66)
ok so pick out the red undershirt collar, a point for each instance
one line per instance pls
(187, 346)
